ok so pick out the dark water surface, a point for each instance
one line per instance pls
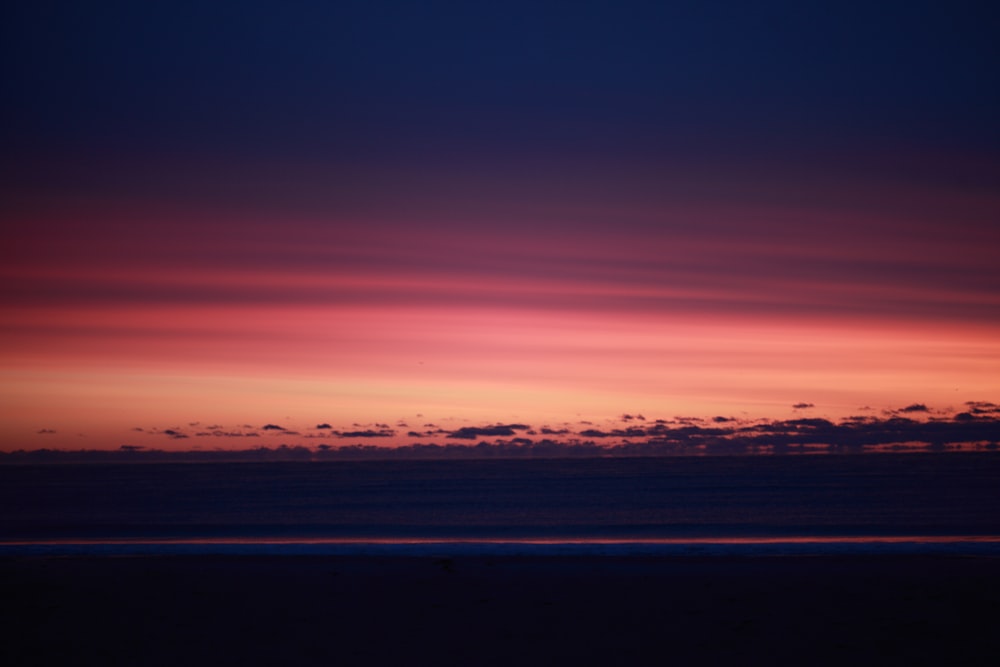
(596, 499)
(861, 495)
(690, 561)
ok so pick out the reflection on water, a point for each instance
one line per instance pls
(985, 545)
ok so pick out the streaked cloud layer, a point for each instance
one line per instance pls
(494, 233)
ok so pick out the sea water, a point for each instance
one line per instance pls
(929, 503)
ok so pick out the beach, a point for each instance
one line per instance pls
(500, 610)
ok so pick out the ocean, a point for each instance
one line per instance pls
(828, 560)
(899, 503)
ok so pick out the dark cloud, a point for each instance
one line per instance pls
(805, 424)
(46, 431)
(857, 434)
(793, 436)
(367, 433)
(323, 426)
(631, 432)
(907, 428)
(689, 420)
(472, 432)
(802, 406)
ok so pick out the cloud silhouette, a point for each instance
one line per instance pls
(802, 406)
(914, 427)
(689, 420)
(473, 432)
(963, 430)
(220, 433)
(367, 433)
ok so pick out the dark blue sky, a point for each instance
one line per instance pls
(377, 80)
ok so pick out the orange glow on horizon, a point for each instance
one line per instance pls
(106, 372)
(537, 308)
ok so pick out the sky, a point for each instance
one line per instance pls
(386, 222)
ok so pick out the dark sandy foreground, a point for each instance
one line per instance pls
(253, 610)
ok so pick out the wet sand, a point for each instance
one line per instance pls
(510, 610)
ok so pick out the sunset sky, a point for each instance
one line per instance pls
(382, 218)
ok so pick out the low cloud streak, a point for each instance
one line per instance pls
(975, 428)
